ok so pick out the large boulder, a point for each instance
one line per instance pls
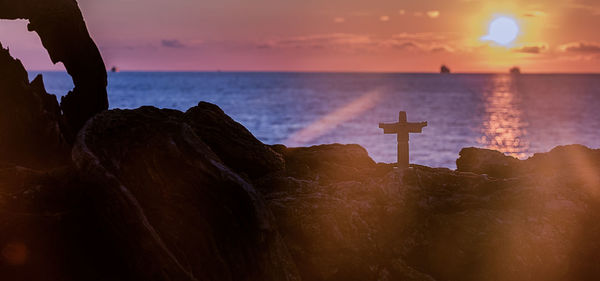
(234, 144)
(574, 162)
(486, 161)
(330, 162)
(569, 159)
(175, 210)
(30, 119)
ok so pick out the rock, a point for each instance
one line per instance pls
(573, 162)
(47, 231)
(30, 119)
(486, 161)
(330, 163)
(569, 159)
(438, 224)
(234, 144)
(175, 210)
(63, 32)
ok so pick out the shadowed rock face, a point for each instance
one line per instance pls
(438, 224)
(486, 161)
(62, 30)
(569, 160)
(234, 144)
(174, 208)
(48, 230)
(30, 119)
(330, 163)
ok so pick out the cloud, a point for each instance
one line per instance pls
(433, 14)
(415, 46)
(592, 8)
(264, 46)
(339, 20)
(580, 48)
(361, 14)
(415, 42)
(441, 49)
(420, 36)
(422, 42)
(320, 41)
(384, 18)
(407, 45)
(420, 47)
(534, 14)
(401, 12)
(173, 43)
(531, 49)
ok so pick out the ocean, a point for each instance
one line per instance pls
(516, 114)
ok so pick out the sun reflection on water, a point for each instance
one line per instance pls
(504, 128)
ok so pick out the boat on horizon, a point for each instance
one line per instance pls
(444, 69)
(515, 70)
(114, 69)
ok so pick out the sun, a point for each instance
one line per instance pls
(502, 30)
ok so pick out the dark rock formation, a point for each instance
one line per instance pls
(151, 197)
(570, 161)
(176, 211)
(30, 119)
(234, 144)
(48, 232)
(61, 27)
(437, 224)
(486, 161)
(330, 163)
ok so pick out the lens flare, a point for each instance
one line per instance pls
(334, 119)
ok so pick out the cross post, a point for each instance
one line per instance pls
(402, 128)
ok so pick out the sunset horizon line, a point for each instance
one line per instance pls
(323, 71)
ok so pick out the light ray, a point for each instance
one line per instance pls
(334, 119)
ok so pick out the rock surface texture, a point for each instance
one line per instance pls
(63, 32)
(541, 223)
(236, 146)
(184, 213)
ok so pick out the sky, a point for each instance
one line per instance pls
(330, 35)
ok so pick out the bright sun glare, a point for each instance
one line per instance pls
(502, 30)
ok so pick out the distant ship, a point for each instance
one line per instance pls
(444, 69)
(114, 69)
(515, 70)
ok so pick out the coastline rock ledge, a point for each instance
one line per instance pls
(146, 197)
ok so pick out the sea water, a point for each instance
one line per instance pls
(516, 114)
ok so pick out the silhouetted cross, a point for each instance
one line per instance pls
(402, 128)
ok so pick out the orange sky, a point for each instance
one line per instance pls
(330, 35)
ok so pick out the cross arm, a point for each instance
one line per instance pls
(389, 128)
(416, 127)
(395, 128)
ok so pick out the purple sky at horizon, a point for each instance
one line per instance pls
(332, 35)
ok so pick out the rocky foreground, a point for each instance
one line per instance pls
(158, 194)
